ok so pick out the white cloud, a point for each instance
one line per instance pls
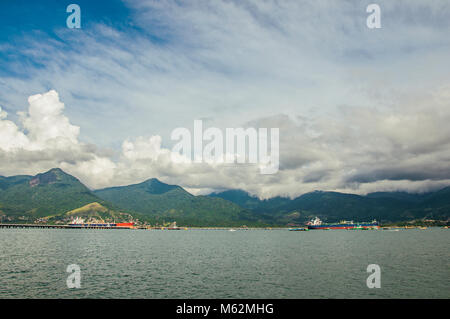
(47, 140)
(46, 124)
(355, 150)
(232, 61)
(10, 137)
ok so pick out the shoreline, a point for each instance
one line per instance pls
(57, 226)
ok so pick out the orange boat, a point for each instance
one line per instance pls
(127, 225)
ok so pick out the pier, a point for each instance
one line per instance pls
(58, 226)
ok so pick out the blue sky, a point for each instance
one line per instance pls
(21, 16)
(42, 19)
(352, 103)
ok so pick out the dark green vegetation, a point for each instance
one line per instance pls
(332, 206)
(162, 203)
(48, 195)
(57, 196)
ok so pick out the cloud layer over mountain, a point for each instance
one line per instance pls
(356, 150)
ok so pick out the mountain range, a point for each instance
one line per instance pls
(53, 195)
(334, 206)
(57, 197)
(161, 202)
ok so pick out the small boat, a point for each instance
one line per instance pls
(174, 226)
(298, 229)
(232, 230)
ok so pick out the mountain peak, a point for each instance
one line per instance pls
(56, 169)
(49, 193)
(155, 186)
(51, 176)
(153, 181)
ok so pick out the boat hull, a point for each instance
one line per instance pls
(344, 226)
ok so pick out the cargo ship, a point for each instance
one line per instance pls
(316, 223)
(79, 223)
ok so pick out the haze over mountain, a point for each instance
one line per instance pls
(333, 206)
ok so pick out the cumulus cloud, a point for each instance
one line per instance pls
(46, 124)
(47, 139)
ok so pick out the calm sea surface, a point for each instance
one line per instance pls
(224, 264)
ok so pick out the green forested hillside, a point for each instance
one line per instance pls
(161, 203)
(50, 193)
(333, 206)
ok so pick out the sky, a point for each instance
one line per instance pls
(359, 110)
